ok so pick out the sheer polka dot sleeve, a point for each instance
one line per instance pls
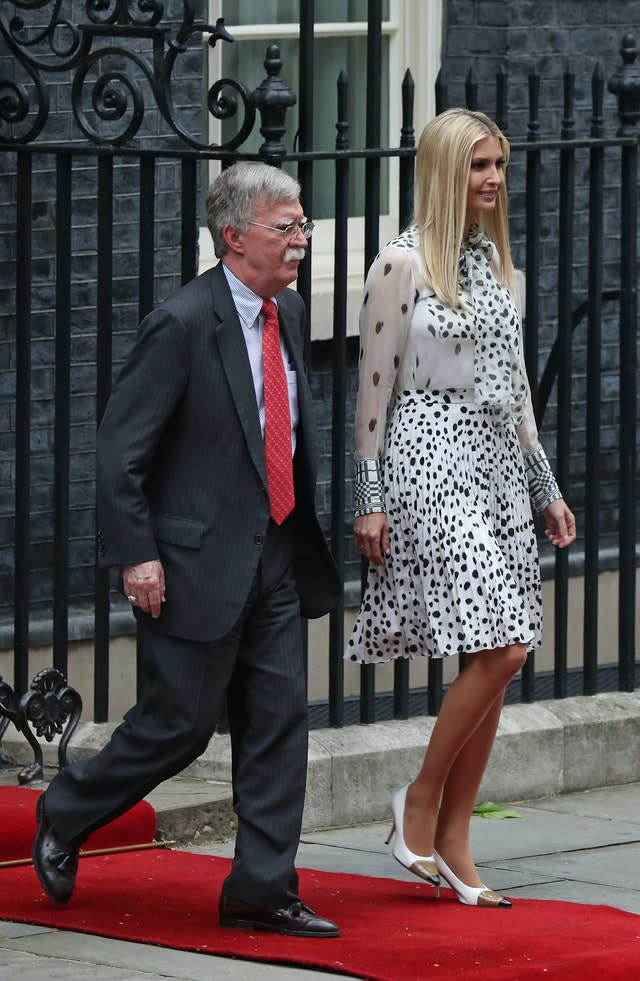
(527, 429)
(543, 488)
(385, 316)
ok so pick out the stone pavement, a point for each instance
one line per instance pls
(582, 847)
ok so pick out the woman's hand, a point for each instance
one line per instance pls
(561, 524)
(371, 535)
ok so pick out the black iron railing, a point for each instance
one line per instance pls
(605, 302)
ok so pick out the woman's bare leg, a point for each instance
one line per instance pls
(460, 795)
(475, 695)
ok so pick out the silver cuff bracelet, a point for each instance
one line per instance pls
(543, 488)
(368, 491)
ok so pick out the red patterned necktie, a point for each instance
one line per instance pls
(277, 426)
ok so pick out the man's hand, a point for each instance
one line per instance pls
(371, 535)
(561, 524)
(144, 586)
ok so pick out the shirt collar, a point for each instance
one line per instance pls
(247, 303)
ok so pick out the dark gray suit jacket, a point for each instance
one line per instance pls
(180, 463)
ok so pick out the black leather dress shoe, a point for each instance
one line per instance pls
(55, 862)
(296, 919)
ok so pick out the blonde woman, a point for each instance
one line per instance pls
(445, 490)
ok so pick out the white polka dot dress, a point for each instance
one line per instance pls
(463, 572)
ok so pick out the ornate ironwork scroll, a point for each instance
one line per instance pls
(50, 708)
(8, 713)
(124, 50)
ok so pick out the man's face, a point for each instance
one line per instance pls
(261, 257)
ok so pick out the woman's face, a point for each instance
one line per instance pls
(486, 174)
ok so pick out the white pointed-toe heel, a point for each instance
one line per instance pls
(423, 866)
(469, 895)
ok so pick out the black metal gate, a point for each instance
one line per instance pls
(84, 233)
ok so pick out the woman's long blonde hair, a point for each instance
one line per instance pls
(443, 164)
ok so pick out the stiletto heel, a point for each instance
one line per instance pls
(421, 865)
(469, 895)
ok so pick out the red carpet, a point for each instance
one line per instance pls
(18, 825)
(391, 930)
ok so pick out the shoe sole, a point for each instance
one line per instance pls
(254, 925)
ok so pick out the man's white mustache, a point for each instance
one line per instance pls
(294, 255)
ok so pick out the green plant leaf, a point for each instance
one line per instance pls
(494, 812)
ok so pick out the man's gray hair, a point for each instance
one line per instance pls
(231, 197)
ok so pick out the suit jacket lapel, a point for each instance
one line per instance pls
(293, 339)
(235, 362)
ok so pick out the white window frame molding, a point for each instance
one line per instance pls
(414, 30)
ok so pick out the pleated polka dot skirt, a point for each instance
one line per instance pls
(463, 574)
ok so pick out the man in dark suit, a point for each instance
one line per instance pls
(221, 553)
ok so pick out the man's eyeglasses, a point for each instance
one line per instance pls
(289, 232)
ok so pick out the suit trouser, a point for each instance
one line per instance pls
(259, 668)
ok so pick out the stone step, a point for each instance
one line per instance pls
(190, 810)
(541, 749)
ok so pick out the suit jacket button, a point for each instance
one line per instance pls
(258, 539)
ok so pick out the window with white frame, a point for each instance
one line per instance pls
(411, 38)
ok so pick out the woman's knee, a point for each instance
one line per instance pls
(503, 662)
(513, 658)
